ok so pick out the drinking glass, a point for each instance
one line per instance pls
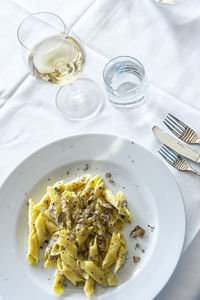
(54, 54)
(125, 83)
(168, 1)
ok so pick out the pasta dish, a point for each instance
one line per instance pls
(81, 222)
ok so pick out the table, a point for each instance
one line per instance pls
(165, 39)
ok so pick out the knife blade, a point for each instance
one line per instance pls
(174, 144)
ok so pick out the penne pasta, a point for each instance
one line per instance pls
(33, 247)
(110, 277)
(111, 255)
(89, 286)
(40, 229)
(55, 206)
(75, 278)
(80, 223)
(44, 203)
(68, 260)
(32, 215)
(93, 251)
(111, 198)
(82, 234)
(123, 209)
(95, 272)
(77, 183)
(59, 282)
(120, 258)
(66, 241)
(50, 226)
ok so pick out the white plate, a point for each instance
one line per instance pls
(153, 198)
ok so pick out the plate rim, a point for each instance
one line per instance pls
(59, 140)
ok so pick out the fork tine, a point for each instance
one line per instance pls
(170, 128)
(173, 126)
(180, 122)
(179, 127)
(169, 161)
(167, 151)
(171, 151)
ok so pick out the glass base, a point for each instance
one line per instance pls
(170, 2)
(80, 99)
(132, 106)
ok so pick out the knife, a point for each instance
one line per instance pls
(175, 145)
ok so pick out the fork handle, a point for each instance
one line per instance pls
(197, 141)
(189, 169)
(194, 172)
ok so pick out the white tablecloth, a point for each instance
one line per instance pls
(165, 39)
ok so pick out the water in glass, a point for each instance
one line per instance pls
(125, 83)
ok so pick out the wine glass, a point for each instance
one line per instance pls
(168, 1)
(54, 54)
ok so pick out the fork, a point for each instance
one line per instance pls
(176, 160)
(181, 130)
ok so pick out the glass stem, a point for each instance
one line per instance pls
(74, 90)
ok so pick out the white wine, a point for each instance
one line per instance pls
(59, 60)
